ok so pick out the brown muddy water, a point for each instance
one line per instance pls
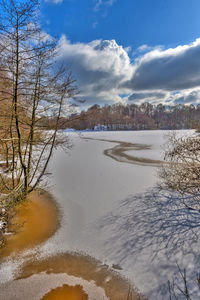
(66, 292)
(35, 221)
(87, 268)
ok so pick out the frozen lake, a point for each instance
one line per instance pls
(114, 212)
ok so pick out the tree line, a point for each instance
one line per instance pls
(132, 117)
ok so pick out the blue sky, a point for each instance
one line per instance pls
(129, 38)
(129, 22)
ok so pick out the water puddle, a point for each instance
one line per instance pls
(34, 221)
(66, 292)
(86, 268)
(64, 276)
(45, 286)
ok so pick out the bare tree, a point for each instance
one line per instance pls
(181, 290)
(38, 87)
(182, 171)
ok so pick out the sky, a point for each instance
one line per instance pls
(128, 51)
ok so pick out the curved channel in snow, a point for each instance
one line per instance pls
(121, 153)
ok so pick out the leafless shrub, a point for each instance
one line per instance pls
(182, 171)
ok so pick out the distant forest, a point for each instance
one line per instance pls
(133, 117)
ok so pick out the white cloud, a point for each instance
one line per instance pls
(191, 96)
(102, 7)
(101, 3)
(144, 48)
(171, 69)
(141, 50)
(104, 72)
(99, 67)
(54, 1)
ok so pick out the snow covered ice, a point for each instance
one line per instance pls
(114, 212)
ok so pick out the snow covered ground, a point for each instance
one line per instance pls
(114, 212)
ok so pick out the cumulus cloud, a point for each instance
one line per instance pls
(141, 50)
(144, 48)
(105, 72)
(191, 97)
(172, 69)
(99, 67)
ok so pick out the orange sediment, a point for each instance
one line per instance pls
(34, 221)
(66, 293)
(85, 267)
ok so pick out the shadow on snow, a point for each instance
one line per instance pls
(156, 231)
